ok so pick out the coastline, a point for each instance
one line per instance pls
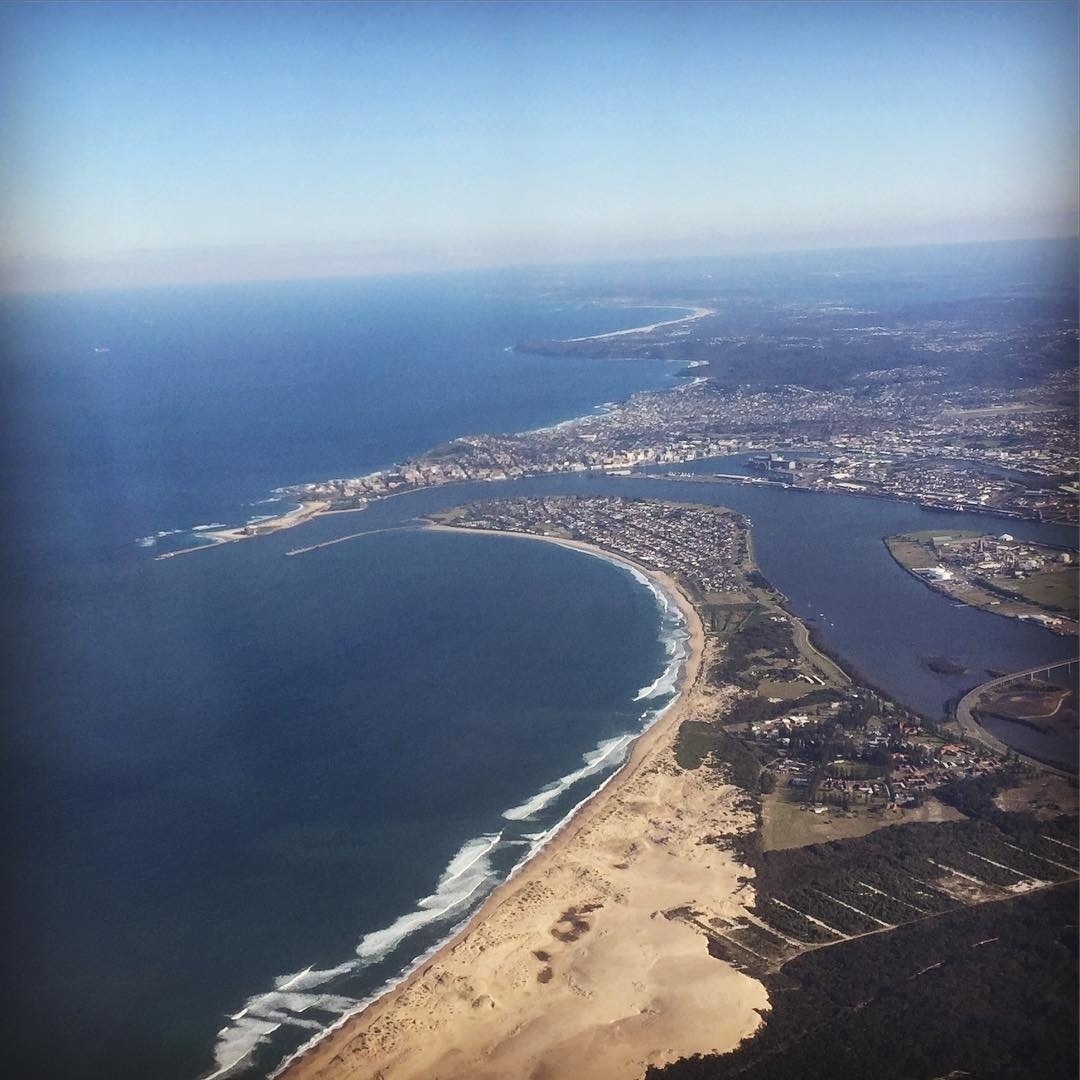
(571, 959)
(306, 511)
(695, 313)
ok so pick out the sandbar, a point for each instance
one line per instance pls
(580, 966)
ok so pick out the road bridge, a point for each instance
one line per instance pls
(972, 729)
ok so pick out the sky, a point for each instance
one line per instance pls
(202, 141)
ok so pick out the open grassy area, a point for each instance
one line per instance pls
(778, 690)
(1053, 588)
(1040, 706)
(724, 617)
(1044, 796)
(788, 824)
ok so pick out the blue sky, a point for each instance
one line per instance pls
(200, 141)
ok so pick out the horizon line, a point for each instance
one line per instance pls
(129, 261)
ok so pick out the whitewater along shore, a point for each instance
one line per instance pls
(304, 512)
(578, 967)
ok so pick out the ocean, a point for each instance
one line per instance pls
(245, 792)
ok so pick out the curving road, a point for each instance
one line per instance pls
(972, 729)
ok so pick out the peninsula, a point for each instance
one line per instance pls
(997, 573)
(654, 924)
(930, 407)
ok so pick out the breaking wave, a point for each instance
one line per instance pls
(153, 538)
(469, 872)
(302, 1000)
(610, 752)
(468, 875)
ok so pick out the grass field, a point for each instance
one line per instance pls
(788, 824)
(1055, 589)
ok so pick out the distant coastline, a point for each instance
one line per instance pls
(695, 313)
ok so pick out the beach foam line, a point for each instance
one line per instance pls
(468, 877)
(311, 977)
(266, 1013)
(613, 751)
(609, 752)
(237, 1043)
(468, 872)
(387, 987)
(664, 683)
(153, 538)
(542, 839)
(675, 641)
(537, 842)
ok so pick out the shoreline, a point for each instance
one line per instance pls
(306, 511)
(695, 313)
(353, 1037)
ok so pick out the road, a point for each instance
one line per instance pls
(972, 729)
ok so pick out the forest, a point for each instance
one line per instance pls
(987, 992)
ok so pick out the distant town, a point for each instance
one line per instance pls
(968, 411)
(832, 742)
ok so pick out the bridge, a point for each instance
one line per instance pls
(972, 729)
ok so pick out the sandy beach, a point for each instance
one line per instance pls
(696, 313)
(304, 512)
(578, 967)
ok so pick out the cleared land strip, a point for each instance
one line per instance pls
(736, 951)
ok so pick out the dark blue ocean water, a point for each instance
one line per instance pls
(223, 770)
(207, 399)
(218, 773)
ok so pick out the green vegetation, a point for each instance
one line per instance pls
(694, 743)
(913, 951)
(1055, 589)
(901, 953)
(989, 991)
(699, 742)
(759, 642)
(725, 620)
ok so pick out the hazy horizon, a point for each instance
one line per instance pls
(172, 143)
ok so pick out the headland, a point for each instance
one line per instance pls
(304, 512)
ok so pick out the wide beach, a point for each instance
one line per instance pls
(577, 967)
